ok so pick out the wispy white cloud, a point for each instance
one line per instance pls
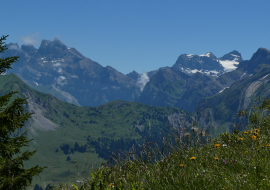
(60, 70)
(56, 64)
(14, 47)
(142, 80)
(61, 80)
(74, 76)
(32, 39)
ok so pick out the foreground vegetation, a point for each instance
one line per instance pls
(239, 160)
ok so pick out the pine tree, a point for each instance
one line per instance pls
(13, 175)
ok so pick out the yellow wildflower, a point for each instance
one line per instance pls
(254, 137)
(217, 145)
(246, 132)
(239, 138)
(192, 158)
(256, 130)
(216, 158)
(182, 165)
(256, 134)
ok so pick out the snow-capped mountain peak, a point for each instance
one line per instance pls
(230, 60)
(208, 63)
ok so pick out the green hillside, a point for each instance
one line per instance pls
(232, 161)
(84, 134)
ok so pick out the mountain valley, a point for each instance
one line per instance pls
(83, 111)
(63, 131)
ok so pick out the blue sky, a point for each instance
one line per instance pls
(140, 35)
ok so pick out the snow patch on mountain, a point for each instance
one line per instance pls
(264, 77)
(212, 73)
(206, 55)
(207, 72)
(223, 89)
(243, 75)
(188, 70)
(229, 65)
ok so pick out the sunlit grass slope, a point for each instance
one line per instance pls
(240, 160)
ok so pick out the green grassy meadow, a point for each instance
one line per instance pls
(239, 160)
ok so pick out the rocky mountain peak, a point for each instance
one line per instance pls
(232, 56)
(134, 75)
(52, 47)
(28, 48)
(13, 50)
(13, 46)
(235, 52)
(262, 53)
(263, 49)
(261, 56)
(206, 63)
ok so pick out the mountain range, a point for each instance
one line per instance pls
(174, 88)
(56, 68)
(62, 84)
(65, 73)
